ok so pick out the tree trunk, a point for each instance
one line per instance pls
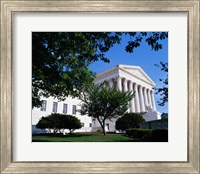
(102, 125)
(70, 131)
(104, 130)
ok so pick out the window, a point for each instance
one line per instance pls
(90, 124)
(107, 125)
(44, 105)
(65, 108)
(94, 121)
(81, 112)
(74, 109)
(55, 106)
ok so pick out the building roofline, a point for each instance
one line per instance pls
(121, 67)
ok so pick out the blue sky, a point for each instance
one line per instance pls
(142, 56)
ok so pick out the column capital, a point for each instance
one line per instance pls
(144, 87)
(130, 82)
(135, 84)
(125, 80)
(118, 77)
(148, 89)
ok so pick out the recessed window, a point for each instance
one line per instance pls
(107, 125)
(55, 107)
(44, 105)
(74, 109)
(64, 108)
(94, 121)
(81, 112)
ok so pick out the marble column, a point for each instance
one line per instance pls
(153, 100)
(110, 82)
(149, 98)
(125, 85)
(145, 98)
(126, 89)
(104, 83)
(132, 101)
(119, 83)
(137, 103)
(141, 97)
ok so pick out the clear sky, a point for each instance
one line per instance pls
(142, 56)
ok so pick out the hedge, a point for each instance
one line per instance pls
(160, 135)
(138, 133)
(154, 135)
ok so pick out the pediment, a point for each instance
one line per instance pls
(137, 72)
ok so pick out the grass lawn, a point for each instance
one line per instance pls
(84, 137)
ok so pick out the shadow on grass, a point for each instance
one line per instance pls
(148, 139)
(92, 137)
(64, 136)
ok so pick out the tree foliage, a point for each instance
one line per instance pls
(163, 91)
(60, 59)
(128, 121)
(104, 103)
(56, 123)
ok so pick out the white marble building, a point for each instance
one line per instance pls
(124, 77)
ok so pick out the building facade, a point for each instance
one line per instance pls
(123, 77)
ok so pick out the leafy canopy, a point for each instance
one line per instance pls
(58, 122)
(60, 59)
(163, 91)
(129, 120)
(104, 103)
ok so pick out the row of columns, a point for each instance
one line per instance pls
(143, 96)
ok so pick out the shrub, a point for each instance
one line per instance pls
(129, 120)
(72, 123)
(58, 122)
(49, 123)
(139, 133)
(160, 135)
(156, 135)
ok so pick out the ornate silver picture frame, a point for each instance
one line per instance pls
(8, 8)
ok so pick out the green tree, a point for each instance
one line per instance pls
(60, 59)
(104, 103)
(51, 123)
(56, 123)
(71, 123)
(129, 120)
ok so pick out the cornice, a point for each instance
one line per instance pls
(151, 84)
(141, 71)
(122, 68)
(107, 72)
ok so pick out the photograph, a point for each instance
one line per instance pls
(100, 86)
